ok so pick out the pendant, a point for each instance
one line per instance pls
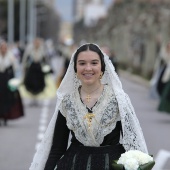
(88, 98)
(89, 117)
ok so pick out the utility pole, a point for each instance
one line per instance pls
(22, 21)
(10, 21)
(31, 20)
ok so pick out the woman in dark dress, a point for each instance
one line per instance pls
(33, 59)
(93, 108)
(164, 67)
(10, 101)
(164, 83)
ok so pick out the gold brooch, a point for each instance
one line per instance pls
(89, 117)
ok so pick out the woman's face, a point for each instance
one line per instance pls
(88, 67)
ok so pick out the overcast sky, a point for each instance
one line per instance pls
(64, 8)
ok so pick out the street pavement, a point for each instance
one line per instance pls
(19, 140)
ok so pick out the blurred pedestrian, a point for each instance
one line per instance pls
(164, 67)
(114, 60)
(10, 101)
(33, 76)
(112, 57)
(160, 72)
(164, 84)
(92, 106)
(67, 50)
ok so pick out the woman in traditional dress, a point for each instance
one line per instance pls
(10, 101)
(164, 84)
(94, 109)
(163, 66)
(32, 62)
(37, 79)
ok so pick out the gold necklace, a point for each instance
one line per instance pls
(88, 96)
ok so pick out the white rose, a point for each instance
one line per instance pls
(131, 164)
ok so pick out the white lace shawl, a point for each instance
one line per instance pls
(132, 133)
(106, 116)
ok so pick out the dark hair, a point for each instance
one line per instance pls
(93, 48)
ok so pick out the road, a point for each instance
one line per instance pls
(18, 140)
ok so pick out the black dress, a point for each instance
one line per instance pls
(11, 106)
(161, 85)
(78, 156)
(34, 80)
(164, 105)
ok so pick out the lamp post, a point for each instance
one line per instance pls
(22, 21)
(31, 20)
(10, 21)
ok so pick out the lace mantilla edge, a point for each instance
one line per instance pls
(133, 138)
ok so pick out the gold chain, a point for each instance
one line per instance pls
(88, 97)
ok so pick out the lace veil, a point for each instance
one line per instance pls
(132, 133)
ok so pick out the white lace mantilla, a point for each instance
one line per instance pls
(106, 115)
(104, 121)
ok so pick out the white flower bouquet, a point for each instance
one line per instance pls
(134, 160)
(46, 69)
(14, 83)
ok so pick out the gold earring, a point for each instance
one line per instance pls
(100, 76)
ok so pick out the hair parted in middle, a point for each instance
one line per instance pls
(90, 47)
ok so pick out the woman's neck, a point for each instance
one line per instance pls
(90, 95)
(90, 88)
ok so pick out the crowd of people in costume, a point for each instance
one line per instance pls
(27, 72)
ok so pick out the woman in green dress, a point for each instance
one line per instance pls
(164, 104)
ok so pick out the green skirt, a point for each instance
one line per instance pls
(164, 104)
